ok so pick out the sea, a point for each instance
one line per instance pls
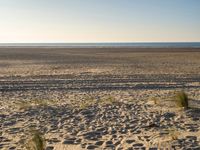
(107, 45)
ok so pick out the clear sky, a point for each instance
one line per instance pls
(99, 21)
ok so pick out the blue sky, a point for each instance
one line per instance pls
(99, 20)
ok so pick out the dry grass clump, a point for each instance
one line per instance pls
(36, 141)
(86, 103)
(107, 101)
(181, 99)
(34, 103)
(92, 101)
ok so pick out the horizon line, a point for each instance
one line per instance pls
(93, 42)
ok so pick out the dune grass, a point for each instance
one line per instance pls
(23, 105)
(36, 141)
(91, 101)
(86, 103)
(181, 99)
(107, 100)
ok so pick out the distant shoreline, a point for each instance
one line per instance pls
(91, 50)
(103, 45)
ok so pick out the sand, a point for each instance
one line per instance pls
(99, 98)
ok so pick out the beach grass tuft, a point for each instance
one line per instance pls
(36, 142)
(181, 99)
(91, 101)
(107, 101)
(23, 105)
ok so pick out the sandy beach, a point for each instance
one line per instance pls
(99, 98)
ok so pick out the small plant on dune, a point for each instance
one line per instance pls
(87, 102)
(107, 101)
(23, 105)
(181, 99)
(36, 142)
(92, 101)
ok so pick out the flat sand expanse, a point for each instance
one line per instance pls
(99, 98)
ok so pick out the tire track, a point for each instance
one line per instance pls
(99, 82)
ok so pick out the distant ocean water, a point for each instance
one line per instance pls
(109, 45)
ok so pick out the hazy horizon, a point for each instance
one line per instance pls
(93, 21)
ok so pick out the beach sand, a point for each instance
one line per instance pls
(99, 98)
